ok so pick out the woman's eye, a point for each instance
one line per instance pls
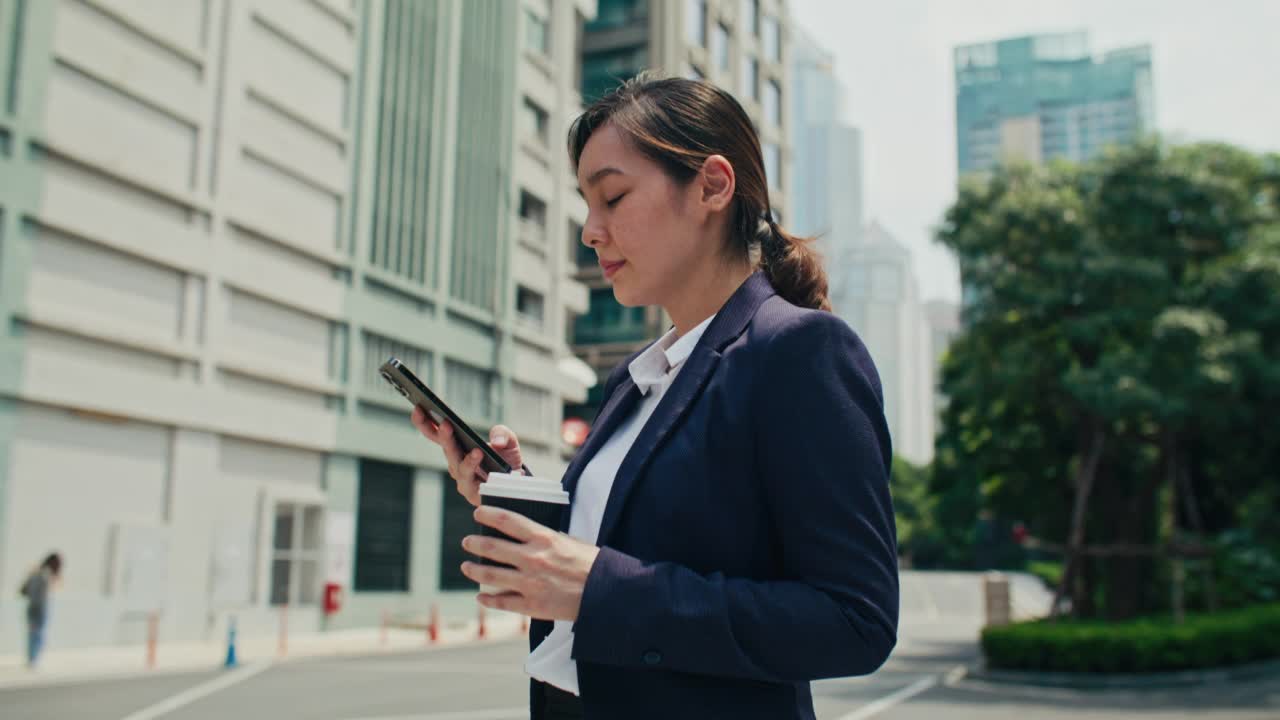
(615, 201)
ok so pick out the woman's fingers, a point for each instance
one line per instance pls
(507, 444)
(496, 549)
(425, 425)
(469, 476)
(496, 577)
(452, 451)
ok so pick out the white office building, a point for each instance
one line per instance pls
(217, 219)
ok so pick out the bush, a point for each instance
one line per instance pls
(1050, 573)
(1137, 646)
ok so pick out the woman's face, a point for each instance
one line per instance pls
(649, 233)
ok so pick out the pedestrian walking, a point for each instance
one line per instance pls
(36, 589)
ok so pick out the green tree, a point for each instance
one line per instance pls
(1120, 351)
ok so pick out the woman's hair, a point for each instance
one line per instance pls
(52, 563)
(678, 124)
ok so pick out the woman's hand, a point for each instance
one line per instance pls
(465, 469)
(551, 568)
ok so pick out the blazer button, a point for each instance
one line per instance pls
(652, 657)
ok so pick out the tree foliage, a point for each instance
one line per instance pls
(1121, 354)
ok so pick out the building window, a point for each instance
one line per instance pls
(535, 121)
(531, 407)
(604, 71)
(750, 77)
(886, 284)
(537, 33)
(583, 255)
(469, 390)
(529, 306)
(856, 280)
(295, 553)
(456, 522)
(377, 349)
(612, 14)
(720, 47)
(751, 16)
(773, 165)
(608, 321)
(384, 526)
(696, 22)
(772, 39)
(533, 219)
(773, 103)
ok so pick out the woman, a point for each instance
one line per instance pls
(36, 590)
(730, 535)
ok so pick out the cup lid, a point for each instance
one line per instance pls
(524, 487)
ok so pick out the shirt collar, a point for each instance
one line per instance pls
(650, 368)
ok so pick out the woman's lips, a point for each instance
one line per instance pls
(611, 268)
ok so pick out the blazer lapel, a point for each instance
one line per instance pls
(687, 386)
(728, 324)
(622, 402)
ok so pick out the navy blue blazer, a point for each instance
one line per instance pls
(748, 545)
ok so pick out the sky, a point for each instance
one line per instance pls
(1215, 67)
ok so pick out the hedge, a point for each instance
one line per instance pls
(1146, 645)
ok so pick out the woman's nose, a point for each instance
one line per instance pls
(591, 235)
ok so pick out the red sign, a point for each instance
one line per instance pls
(574, 431)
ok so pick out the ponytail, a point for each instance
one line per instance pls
(792, 266)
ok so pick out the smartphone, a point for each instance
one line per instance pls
(417, 392)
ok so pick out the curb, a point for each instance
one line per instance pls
(1104, 681)
(38, 680)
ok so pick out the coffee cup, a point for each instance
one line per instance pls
(542, 501)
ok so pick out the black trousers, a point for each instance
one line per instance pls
(561, 705)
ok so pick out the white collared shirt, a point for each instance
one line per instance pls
(653, 371)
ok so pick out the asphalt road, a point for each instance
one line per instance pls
(485, 682)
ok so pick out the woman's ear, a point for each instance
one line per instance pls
(718, 183)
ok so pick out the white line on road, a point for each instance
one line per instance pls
(496, 714)
(190, 695)
(957, 674)
(900, 696)
(434, 668)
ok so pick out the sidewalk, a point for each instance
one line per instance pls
(98, 663)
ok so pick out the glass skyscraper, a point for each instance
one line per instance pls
(1040, 97)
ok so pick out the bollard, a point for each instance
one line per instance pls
(524, 625)
(995, 591)
(153, 629)
(382, 633)
(283, 648)
(231, 662)
(480, 632)
(433, 625)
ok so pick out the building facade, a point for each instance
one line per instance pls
(217, 219)
(741, 45)
(1041, 97)
(879, 298)
(943, 322)
(826, 162)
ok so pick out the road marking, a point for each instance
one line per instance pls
(190, 695)
(434, 667)
(954, 677)
(900, 696)
(496, 714)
